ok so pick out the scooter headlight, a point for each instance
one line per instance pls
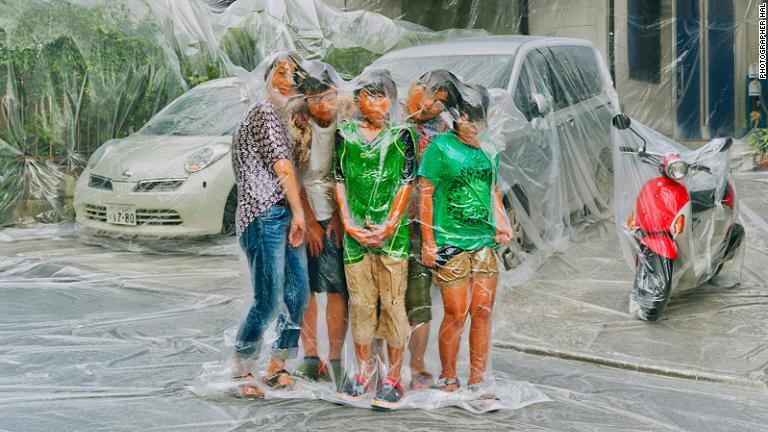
(676, 170)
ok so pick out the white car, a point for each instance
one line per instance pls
(172, 178)
(555, 99)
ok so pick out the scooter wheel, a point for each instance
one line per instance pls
(652, 286)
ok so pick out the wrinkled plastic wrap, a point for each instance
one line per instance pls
(90, 73)
(168, 187)
(682, 214)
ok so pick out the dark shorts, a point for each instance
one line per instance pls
(326, 272)
(418, 299)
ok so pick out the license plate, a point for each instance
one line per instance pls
(120, 214)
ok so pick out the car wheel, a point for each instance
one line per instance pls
(230, 214)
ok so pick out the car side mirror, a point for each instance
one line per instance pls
(621, 121)
(540, 105)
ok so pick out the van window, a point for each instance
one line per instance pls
(578, 71)
(523, 92)
(541, 78)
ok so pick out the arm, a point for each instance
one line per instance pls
(340, 189)
(426, 214)
(503, 230)
(285, 173)
(272, 147)
(400, 203)
(314, 230)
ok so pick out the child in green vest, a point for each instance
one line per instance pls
(374, 167)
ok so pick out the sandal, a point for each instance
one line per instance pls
(448, 384)
(422, 381)
(280, 380)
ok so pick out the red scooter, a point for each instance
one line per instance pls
(682, 235)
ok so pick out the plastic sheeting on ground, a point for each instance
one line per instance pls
(96, 339)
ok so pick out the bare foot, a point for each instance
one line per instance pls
(280, 380)
(421, 381)
(250, 390)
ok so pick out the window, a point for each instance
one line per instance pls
(490, 71)
(577, 70)
(644, 40)
(523, 94)
(210, 111)
(546, 80)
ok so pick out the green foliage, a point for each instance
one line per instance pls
(350, 62)
(72, 77)
(758, 140)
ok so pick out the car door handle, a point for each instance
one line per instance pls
(568, 120)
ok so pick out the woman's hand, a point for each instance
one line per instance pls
(315, 238)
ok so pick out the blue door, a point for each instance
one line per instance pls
(688, 68)
(721, 66)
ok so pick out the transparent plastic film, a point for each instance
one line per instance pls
(95, 72)
(383, 205)
(677, 214)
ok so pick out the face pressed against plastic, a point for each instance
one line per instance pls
(282, 76)
(468, 130)
(322, 105)
(374, 107)
(423, 106)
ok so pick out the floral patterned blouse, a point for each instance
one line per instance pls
(259, 141)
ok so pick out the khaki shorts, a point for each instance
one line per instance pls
(376, 286)
(467, 264)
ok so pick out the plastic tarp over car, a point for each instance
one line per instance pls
(97, 313)
(77, 74)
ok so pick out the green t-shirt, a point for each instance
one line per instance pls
(464, 178)
(372, 173)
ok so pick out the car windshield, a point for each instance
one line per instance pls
(211, 111)
(493, 73)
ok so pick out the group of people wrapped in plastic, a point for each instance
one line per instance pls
(344, 190)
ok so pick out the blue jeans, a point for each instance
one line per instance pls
(278, 272)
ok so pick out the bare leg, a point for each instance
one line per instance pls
(363, 354)
(336, 319)
(309, 328)
(456, 305)
(395, 356)
(481, 307)
(418, 347)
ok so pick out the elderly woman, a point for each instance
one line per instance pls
(270, 227)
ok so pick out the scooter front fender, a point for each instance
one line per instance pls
(662, 245)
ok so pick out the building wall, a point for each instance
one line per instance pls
(746, 54)
(652, 104)
(584, 19)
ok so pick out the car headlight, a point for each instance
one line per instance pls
(676, 170)
(204, 157)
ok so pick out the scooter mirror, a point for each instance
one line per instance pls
(728, 143)
(621, 121)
